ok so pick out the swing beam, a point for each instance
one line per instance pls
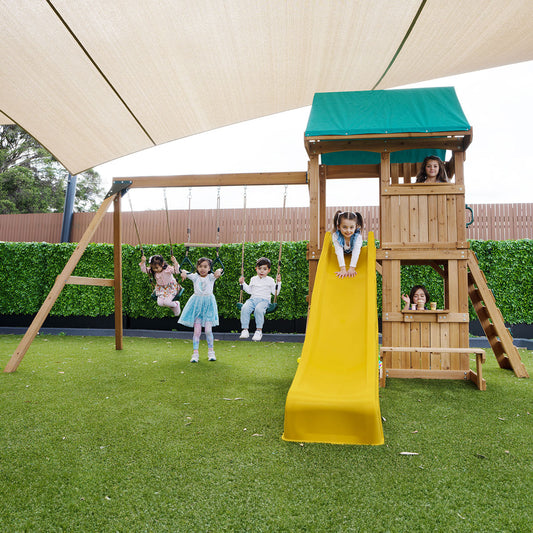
(213, 180)
(201, 245)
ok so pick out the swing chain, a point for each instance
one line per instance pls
(168, 222)
(243, 241)
(218, 217)
(150, 278)
(189, 221)
(135, 226)
(280, 242)
(217, 237)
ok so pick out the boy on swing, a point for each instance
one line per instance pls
(260, 290)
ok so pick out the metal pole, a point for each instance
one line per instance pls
(68, 209)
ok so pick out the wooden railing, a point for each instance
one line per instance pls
(491, 221)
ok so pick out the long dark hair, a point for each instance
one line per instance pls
(442, 177)
(414, 289)
(348, 215)
(157, 260)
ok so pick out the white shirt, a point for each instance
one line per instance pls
(261, 287)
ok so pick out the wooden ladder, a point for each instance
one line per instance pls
(491, 319)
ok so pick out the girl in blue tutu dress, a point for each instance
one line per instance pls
(201, 309)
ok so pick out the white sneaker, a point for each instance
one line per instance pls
(195, 358)
(244, 334)
(211, 355)
(176, 310)
(258, 335)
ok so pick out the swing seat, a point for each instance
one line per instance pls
(175, 299)
(270, 309)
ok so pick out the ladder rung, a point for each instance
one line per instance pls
(480, 308)
(505, 362)
(471, 280)
(472, 288)
(484, 317)
(497, 347)
(490, 331)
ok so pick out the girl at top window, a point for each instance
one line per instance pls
(347, 239)
(433, 170)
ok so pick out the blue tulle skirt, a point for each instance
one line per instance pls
(203, 307)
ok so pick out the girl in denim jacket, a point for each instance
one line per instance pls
(347, 239)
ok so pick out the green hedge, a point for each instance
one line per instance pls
(29, 269)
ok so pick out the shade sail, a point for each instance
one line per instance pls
(96, 80)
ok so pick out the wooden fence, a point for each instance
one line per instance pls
(491, 221)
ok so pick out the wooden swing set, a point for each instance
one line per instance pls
(114, 197)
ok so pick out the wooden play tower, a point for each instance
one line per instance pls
(387, 134)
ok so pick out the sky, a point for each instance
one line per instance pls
(496, 102)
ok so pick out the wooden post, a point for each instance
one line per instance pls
(117, 256)
(385, 232)
(313, 252)
(322, 204)
(384, 212)
(458, 160)
(60, 282)
(458, 167)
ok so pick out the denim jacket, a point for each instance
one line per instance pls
(340, 240)
(355, 247)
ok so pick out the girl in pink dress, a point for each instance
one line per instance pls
(166, 286)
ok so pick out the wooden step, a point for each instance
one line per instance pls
(482, 312)
(476, 300)
(497, 347)
(490, 331)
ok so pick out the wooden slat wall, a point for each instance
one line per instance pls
(427, 334)
(491, 221)
(422, 220)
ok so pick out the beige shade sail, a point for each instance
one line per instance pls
(97, 80)
(4, 120)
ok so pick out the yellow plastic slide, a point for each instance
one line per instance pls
(334, 397)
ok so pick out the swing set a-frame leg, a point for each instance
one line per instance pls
(54, 293)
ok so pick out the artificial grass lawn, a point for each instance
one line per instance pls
(94, 439)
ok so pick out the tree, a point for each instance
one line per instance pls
(32, 180)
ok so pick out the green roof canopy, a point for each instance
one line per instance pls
(433, 109)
